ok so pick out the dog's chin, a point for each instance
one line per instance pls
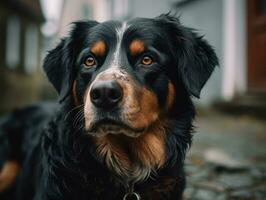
(106, 127)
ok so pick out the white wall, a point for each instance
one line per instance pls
(234, 49)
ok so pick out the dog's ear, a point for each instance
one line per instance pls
(60, 62)
(195, 57)
(57, 68)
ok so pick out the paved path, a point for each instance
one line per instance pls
(227, 159)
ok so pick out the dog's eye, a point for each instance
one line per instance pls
(89, 61)
(146, 60)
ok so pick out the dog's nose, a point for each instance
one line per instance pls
(106, 94)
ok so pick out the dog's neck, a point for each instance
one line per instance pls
(133, 159)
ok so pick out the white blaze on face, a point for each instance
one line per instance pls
(120, 32)
(115, 65)
(114, 72)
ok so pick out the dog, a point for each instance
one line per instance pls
(123, 122)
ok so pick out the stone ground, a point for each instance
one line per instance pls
(227, 160)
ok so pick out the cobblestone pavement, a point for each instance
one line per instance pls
(227, 160)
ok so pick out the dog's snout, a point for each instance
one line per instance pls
(106, 94)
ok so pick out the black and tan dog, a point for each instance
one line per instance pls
(124, 121)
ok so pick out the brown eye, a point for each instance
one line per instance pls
(146, 60)
(90, 61)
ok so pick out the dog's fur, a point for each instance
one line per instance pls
(84, 151)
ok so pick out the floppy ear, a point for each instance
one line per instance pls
(198, 63)
(60, 62)
(195, 57)
(57, 68)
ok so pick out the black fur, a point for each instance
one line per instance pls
(59, 161)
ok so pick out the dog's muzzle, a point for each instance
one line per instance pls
(106, 94)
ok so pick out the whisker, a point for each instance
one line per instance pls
(78, 118)
(72, 110)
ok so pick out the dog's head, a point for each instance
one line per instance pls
(130, 76)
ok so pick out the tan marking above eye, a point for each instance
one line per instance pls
(136, 47)
(146, 60)
(98, 48)
(90, 61)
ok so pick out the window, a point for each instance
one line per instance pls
(13, 42)
(31, 48)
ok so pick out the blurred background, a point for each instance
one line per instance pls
(228, 158)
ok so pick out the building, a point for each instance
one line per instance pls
(20, 52)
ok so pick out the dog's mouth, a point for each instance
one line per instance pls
(108, 126)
